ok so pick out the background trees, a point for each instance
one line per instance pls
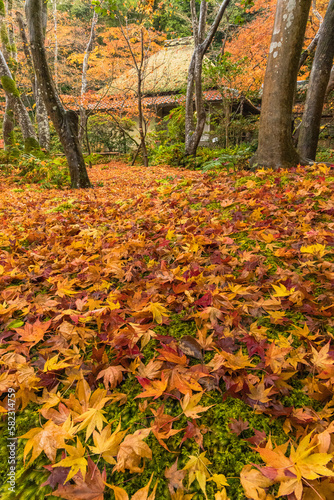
(66, 124)
(319, 78)
(243, 35)
(275, 147)
(194, 128)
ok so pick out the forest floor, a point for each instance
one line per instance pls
(165, 331)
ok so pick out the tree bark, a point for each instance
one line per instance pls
(330, 85)
(275, 148)
(89, 48)
(63, 123)
(8, 124)
(194, 132)
(8, 121)
(319, 78)
(14, 102)
(55, 31)
(310, 49)
(41, 112)
(141, 119)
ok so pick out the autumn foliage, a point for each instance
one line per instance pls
(253, 39)
(173, 333)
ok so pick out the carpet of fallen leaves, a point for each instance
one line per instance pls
(91, 285)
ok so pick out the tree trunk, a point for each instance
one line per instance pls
(41, 112)
(330, 85)
(275, 147)
(89, 48)
(63, 121)
(8, 121)
(8, 124)
(139, 67)
(14, 101)
(193, 132)
(141, 122)
(55, 31)
(319, 78)
(310, 49)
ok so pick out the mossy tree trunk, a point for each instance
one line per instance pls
(66, 128)
(41, 111)
(194, 131)
(8, 121)
(319, 78)
(275, 147)
(14, 102)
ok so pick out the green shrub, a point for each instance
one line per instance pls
(231, 157)
(48, 172)
(105, 134)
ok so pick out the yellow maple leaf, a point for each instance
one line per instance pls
(317, 249)
(190, 406)
(53, 364)
(107, 444)
(48, 438)
(282, 291)
(76, 460)
(157, 310)
(197, 467)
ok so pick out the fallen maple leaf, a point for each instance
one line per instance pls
(157, 310)
(76, 460)
(112, 376)
(254, 483)
(132, 450)
(33, 333)
(190, 406)
(175, 477)
(282, 291)
(49, 439)
(107, 443)
(197, 467)
(89, 488)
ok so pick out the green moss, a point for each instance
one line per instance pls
(31, 144)
(4, 34)
(177, 327)
(298, 399)
(2, 8)
(26, 478)
(9, 85)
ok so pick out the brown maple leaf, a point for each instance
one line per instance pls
(112, 376)
(91, 488)
(132, 450)
(175, 477)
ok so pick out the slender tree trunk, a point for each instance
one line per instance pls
(139, 67)
(142, 125)
(8, 121)
(330, 85)
(8, 124)
(275, 147)
(311, 48)
(41, 112)
(319, 78)
(193, 132)
(141, 122)
(42, 119)
(14, 102)
(55, 31)
(89, 48)
(64, 122)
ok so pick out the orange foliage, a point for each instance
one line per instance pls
(253, 39)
